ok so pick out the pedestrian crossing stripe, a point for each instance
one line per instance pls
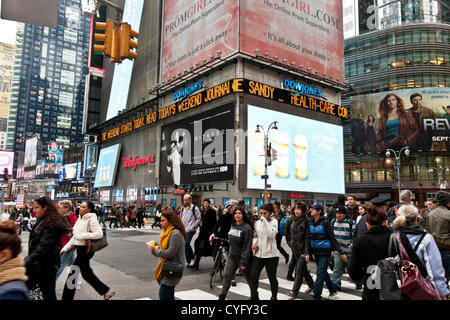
(244, 290)
(195, 294)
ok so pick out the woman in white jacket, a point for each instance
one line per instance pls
(86, 228)
(266, 252)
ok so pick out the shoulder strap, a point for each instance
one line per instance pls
(420, 240)
(393, 245)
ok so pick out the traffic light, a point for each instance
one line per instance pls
(111, 39)
(127, 44)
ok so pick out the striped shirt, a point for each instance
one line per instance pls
(343, 233)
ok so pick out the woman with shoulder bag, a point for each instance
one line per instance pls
(86, 228)
(44, 246)
(171, 252)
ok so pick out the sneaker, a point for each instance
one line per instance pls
(308, 291)
(333, 295)
(292, 294)
(191, 264)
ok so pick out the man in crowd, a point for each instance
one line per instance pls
(352, 207)
(431, 204)
(191, 217)
(405, 198)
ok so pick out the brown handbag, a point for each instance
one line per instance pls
(95, 245)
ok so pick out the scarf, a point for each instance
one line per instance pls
(164, 241)
(13, 269)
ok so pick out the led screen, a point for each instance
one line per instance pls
(107, 164)
(6, 162)
(71, 171)
(310, 154)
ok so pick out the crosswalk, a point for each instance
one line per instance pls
(242, 291)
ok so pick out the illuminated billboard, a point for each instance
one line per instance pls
(417, 118)
(30, 152)
(107, 166)
(70, 171)
(6, 162)
(310, 154)
(307, 32)
(193, 30)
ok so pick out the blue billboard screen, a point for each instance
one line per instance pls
(107, 165)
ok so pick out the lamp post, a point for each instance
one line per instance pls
(267, 153)
(397, 155)
(440, 175)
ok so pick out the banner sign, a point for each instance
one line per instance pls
(221, 90)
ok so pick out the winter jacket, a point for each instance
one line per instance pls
(322, 240)
(191, 221)
(72, 219)
(201, 244)
(361, 227)
(299, 235)
(12, 280)
(173, 253)
(240, 237)
(223, 225)
(429, 254)
(265, 236)
(438, 224)
(352, 213)
(86, 228)
(368, 250)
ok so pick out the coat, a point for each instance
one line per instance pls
(438, 224)
(86, 228)
(368, 250)
(173, 253)
(201, 244)
(265, 236)
(12, 280)
(299, 235)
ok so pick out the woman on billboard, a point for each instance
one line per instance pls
(395, 128)
(371, 136)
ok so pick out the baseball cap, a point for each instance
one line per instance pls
(317, 206)
(230, 203)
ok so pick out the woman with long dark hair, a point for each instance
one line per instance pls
(171, 249)
(86, 228)
(396, 128)
(240, 237)
(44, 246)
(371, 136)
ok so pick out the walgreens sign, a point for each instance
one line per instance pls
(134, 162)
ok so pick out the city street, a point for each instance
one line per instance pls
(127, 266)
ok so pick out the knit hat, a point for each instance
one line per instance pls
(443, 198)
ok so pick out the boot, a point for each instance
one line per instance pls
(221, 296)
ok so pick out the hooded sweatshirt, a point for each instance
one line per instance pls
(265, 236)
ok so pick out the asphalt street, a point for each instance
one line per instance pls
(127, 267)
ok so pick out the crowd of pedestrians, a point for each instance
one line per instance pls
(346, 236)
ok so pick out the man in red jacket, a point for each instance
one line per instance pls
(67, 259)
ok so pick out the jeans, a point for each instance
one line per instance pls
(339, 268)
(445, 255)
(102, 221)
(189, 253)
(67, 259)
(82, 261)
(322, 263)
(230, 269)
(258, 264)
(301, 271)
(166, 292)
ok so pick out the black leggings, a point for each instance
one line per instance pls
(258, 264)
(82, 261)
(279, 237)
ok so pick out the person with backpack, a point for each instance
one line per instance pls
(102, 215)
(405, 198)
(342, 229)
(279, 237)
(191, 217)
(372, 247)
(298, 235)
(425, 247)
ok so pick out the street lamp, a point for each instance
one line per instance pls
(397, 155)
(267, 153)
(440, 175)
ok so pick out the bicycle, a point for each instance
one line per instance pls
(219, 262)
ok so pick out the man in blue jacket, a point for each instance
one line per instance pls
(322, 243)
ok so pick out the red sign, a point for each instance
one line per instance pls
(178, 191)
(128, 162)
(297, 195)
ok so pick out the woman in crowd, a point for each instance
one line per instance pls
(202, 246)
(362, 210)
(299, 243)
(424, 245)
(12, 266)
(86, 228)
(157, 221)
(266, 252)
(240, 237)
(396, 127)
(373, 246)
(171, 249)
(44, 246)
(66, 210)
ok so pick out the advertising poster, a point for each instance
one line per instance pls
(6, 162)
(40, 168)
(107, 166)
(71, 171)
(6, 67)
(194, 150)
(30, 152)
(193, 30)
(308, 32)
(418, 118)
(310, 153)
(90, 157)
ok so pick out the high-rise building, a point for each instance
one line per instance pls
(397, 70)
(48, 83)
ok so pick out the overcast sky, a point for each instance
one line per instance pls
(8, 31)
